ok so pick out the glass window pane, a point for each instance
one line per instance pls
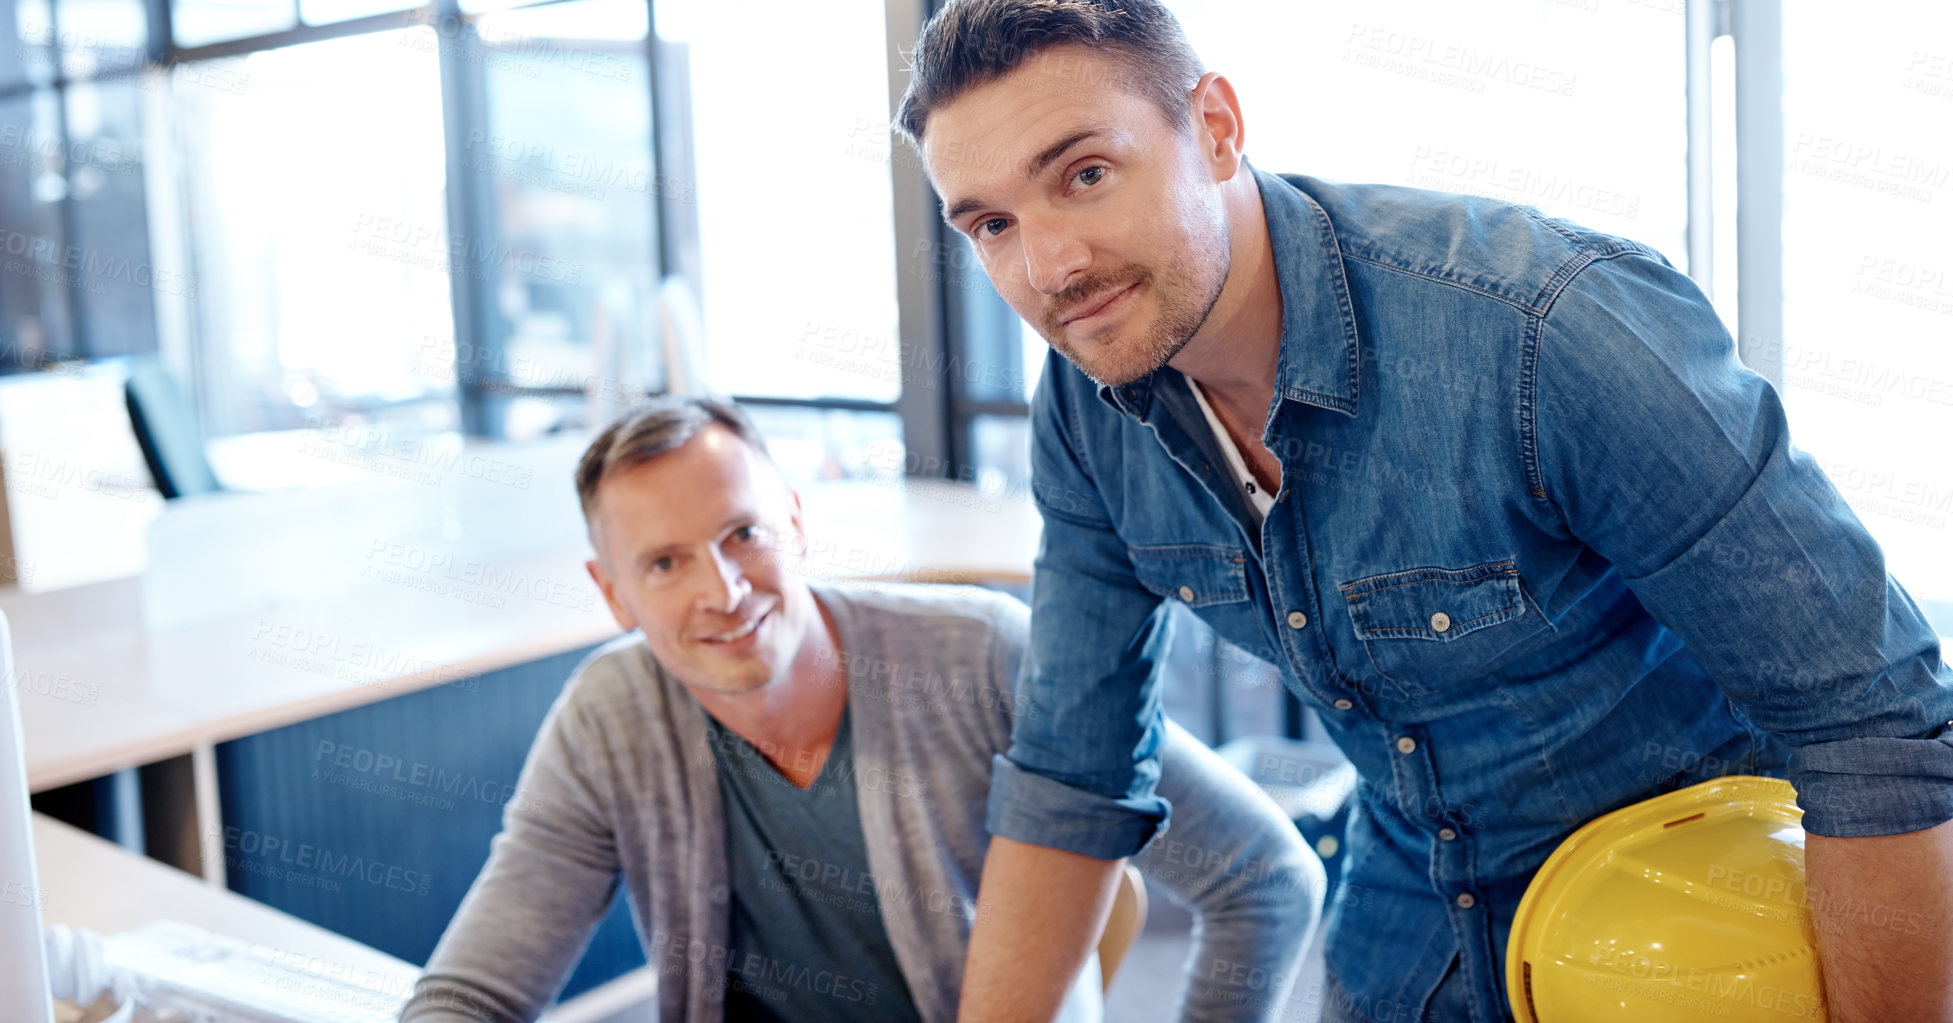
(1454, 97)
(32, 58)
(1000, 447)
(1868, 280)
(486, 6)
(1448, 97)
(1035, 353)
(994, 366)
(325, 12)
(795, 204)
(118, 281)
(521, 417)
(812, 444)
(202, 22)
(536, 35)
(35, 310)
(315, 207)
(567, 157)
(99, 36)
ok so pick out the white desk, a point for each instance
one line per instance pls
(101, 692)
(133, 697)
(107, 889)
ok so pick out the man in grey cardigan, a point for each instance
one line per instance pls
(791, 779)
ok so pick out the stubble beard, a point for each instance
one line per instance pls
(1121, 358)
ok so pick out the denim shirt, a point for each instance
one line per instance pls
(1542, 549)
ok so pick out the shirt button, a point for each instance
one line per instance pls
(1187, 594)
(1406, 745)
(1297, 619)
(1343, 705)
(1466, 901)
(1447, 834)
(1440, 622)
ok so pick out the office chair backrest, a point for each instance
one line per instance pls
(166, 427)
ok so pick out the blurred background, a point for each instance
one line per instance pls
(484, 218)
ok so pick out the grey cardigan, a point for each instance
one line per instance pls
(620, 784)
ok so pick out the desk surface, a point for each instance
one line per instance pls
(107, 889)
(101, 692)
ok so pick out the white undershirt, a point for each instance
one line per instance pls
(1256, 493)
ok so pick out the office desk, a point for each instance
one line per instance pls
(261, 614)
(102, 692)
(107, 889)
(104, 888)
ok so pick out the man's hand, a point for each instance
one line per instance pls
(1039, 915)
(1883, 908)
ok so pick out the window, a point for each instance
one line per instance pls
(314, 200)
(1435, 95)
(1867, 356)
(36, 309)
(789, 250)
(794, 195)
(812, 444)
(325, 12)
(115, 296)
(89, 38)
(202, 22)
(76, 273)
(595, 184)
(1569, 106)
(564, 174)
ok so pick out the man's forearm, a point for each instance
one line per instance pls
(1039, 915)
(1883, 910)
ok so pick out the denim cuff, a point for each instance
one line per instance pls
(1031, 808)
(1856, 788)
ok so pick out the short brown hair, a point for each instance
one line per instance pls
(661, 425)
(974, 42)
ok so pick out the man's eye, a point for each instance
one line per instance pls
(1089, 176)
(984, 228)
(746, 534)
(662, 565)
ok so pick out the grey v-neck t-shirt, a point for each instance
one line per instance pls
(806, 935)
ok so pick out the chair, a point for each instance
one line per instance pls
(1122, 927)
(166, 427)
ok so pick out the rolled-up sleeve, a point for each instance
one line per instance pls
(1082, 766)
(1666, 456)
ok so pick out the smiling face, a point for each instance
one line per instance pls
(1103, 226)
(692, 548)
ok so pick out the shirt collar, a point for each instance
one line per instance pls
(1320, 356)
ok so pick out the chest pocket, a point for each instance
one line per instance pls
(1198, 575)
(1430, 626)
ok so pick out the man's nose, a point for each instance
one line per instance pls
(1052, 255)
(728, 586)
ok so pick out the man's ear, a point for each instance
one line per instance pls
(1219, 132)
(798, 522)
(604, 583)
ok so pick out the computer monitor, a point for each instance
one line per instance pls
(24, 991)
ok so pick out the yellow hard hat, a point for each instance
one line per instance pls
(1687, 906)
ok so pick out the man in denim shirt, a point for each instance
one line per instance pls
(1490, 489)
